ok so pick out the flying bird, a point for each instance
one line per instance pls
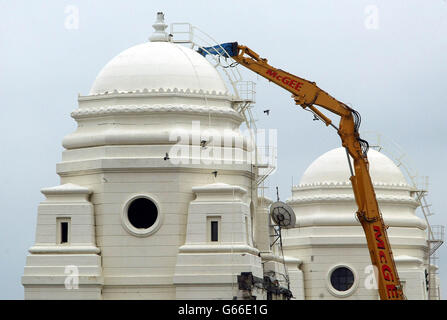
(215, 173)
(267, 111)
(166, 157)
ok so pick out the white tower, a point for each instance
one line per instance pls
(331, 242)
(152, 204)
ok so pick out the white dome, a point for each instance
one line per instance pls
(332, 167)
(155, 65)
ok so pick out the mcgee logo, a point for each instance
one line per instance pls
(284, 79)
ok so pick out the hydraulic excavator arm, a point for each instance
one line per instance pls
(308, 95)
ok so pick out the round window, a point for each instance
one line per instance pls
(141, 216)
(342, 279)
(142, 213)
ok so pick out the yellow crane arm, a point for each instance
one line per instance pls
(308, 95)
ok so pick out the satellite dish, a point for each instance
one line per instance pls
(283, 215)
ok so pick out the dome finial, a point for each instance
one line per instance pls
(160, 26)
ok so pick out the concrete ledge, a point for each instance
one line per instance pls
(219, 249)
(64, 249)
(44, 280)
(124, 280)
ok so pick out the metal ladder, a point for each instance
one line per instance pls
(244, 92)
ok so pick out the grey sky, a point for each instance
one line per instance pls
(393, 75)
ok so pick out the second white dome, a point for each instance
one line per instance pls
(332, 167)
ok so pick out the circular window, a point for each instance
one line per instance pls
(141, 216)
(142, 213)
(342, 279)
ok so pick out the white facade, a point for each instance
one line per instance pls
(158, 131)
(328, 236)
(158, 125)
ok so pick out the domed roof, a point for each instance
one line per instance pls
(332, 167)
(155, 65)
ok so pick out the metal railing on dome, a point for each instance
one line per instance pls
(244, 91)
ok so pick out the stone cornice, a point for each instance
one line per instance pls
(219, 188)
(269, 256)
(39, 249)
(328, 219)
(68, 188)
(175, 92)
(87, 112)
(408, 260)
(353, 244)
(93, 166)
(344, 184)
(350, 198)
(218, 248)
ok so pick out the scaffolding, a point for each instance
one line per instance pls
(244, 94)
(435, 240)
(243, 100)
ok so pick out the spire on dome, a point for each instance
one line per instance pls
(160, 26)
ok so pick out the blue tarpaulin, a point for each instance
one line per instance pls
(226, 50)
